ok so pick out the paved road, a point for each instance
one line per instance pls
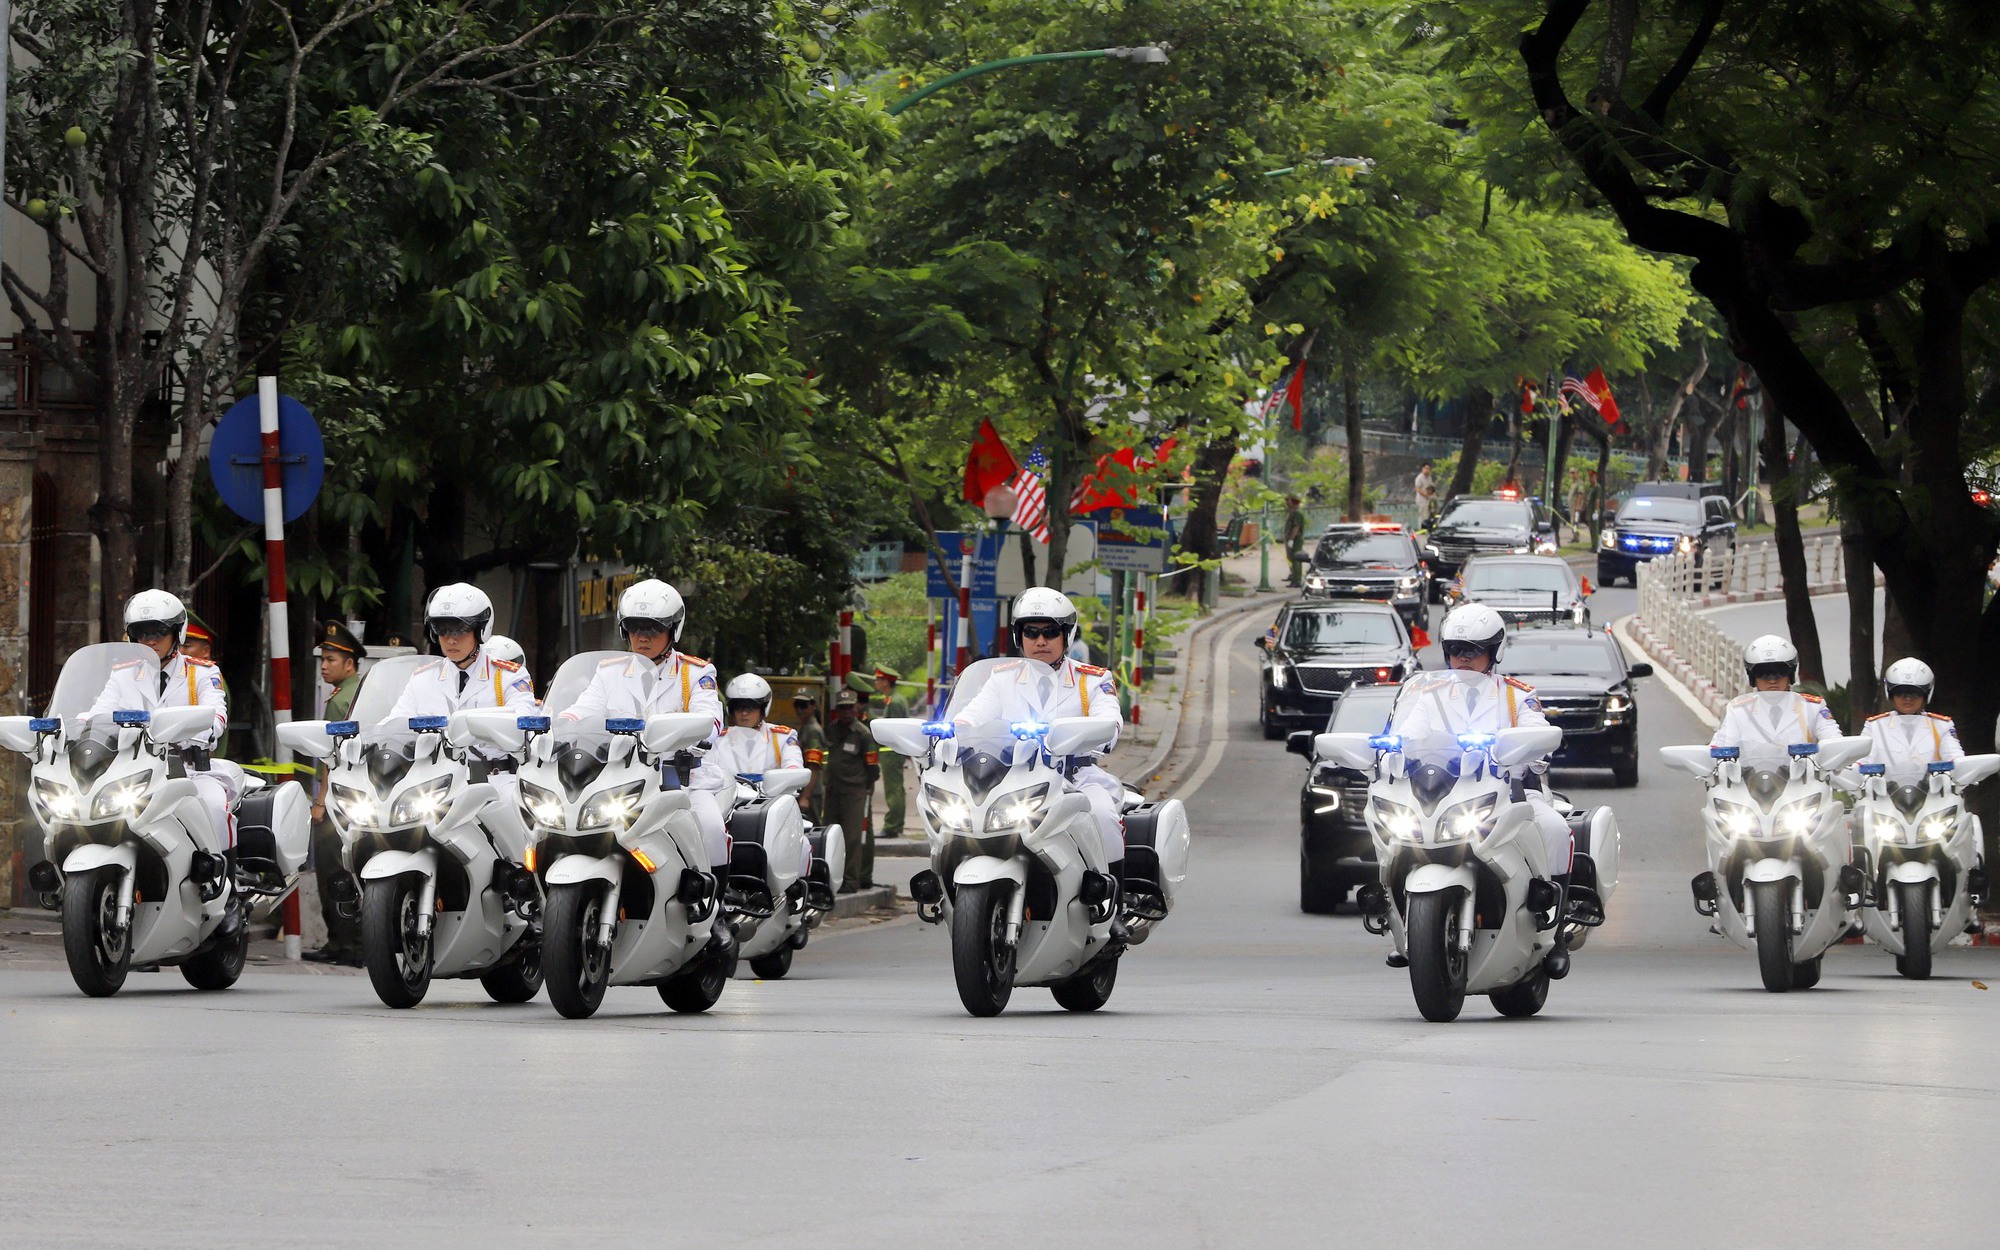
(1259, 1079)
(1744, 621)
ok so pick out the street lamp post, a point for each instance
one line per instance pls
(1145, 54)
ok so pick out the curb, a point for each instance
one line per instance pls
(848, 905)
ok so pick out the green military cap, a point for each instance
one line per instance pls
(861, 683)
(890, 673)
(333, 636)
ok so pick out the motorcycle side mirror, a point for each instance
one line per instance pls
(670, 732)
(17, 733)
(495, 727)
(1300, 742)
(1837, 753)
(1514, 747)
(309, 738)
(178, 724)
(1695, 760)
(1079, 735)
(1974, 769)
(902, 734)
(782, 781)
(1350, 750)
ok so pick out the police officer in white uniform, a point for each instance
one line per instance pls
(156, 619)
(465, 674)
(1765, 723)
(1044, 685)
(1472, 639)
(752, 745)
(656, 679)
(1909, 739)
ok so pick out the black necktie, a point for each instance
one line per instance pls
(164, 674)
(464, 676)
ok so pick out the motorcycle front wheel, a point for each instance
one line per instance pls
(397, 955)
(981, 960)
(1437, 965)
(1913, 899)
(1087, 990)
(575, 966)
(99, 956)
(519, 981)
(1773, 901)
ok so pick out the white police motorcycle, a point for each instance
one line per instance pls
(1921, 858)
(616, 847)
(1465, 888)
(432, 844)
(1017, 863)
(1778, 881)
(770, 869)
(129, 852)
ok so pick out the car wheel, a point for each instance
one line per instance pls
(1318, 895)
(1626, 773)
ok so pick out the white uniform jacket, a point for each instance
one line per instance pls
(1765, 723)
(753, 752)
(182, 682)
(1906, 744)
(1015, 692)
(1484, 706)
(634, 686)
(436, 688)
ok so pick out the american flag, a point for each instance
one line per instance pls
(1031, 498)
(1572, 385)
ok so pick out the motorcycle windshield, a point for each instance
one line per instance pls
(1429, 709)
(573, 678)
(88, 673)
(998, 743)
(383, 685)
(970, 682)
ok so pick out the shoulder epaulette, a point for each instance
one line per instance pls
(1518, 684)
(1092, 669)
(1939, 716)
(508, 665)
(695, 659)
(197, 660)
(1811, 698)
(1878, 716)
(777, 728)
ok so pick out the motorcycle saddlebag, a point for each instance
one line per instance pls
(829, 861)
(273, 830)
(1156, 850)
(749, 864)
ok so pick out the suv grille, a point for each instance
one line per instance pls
(1573, 711)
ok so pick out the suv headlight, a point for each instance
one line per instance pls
(541, 808)
(1796, 819)
(611, 809)
(949, 812)
(57, 801)
(1279, 675)
(422, 805)
(1616, 708)
(1608, 540)
(1474, 817)
(124, 798)
(1018, 812)
(1408, 585)
(1522, 549)
(1686, 543)
(1315, 583)
(355, 807)
(1396, 819)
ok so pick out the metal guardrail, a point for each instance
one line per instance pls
(1673, 591)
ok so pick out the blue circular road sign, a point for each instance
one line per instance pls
(236, 458)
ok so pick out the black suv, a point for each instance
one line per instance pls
(1315, 650)
(1486, 525)
(1659, 519)
(1335, 851)
(1585, 688)
(1372, 561)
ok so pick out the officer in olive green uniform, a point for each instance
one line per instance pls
(892, 763)
(1295, 539)
(851, 771)
(340, 655)
(812, 748)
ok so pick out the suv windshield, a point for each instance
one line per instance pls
(1382, 550)
(1308, 630)
(1363, 710)
(1671, 511)
(1495, 512)
(1526, 653)
(1501, 577)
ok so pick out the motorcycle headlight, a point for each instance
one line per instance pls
(1608, 540)
(541, 808)
(1474, 817)
(1395, 819)
(355, 807)
(611, 809)
(124, 798)
(1937, 827)
(420, 805)
(1796, 819)
(949, 812)
(57, 801)
(1018, 812)
(1737, 819)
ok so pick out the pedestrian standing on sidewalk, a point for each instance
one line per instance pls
(893, 801)
(812, 745)
(1295, 540)
(340, 655)
(1426, 492)
(852, 768)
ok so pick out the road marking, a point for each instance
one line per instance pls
(1218, 711)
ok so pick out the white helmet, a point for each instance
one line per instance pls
(651, 603)
(1910, 674)
(155, 614)
(749, 688)
(501, 647)
(1773, 655)
(1476, 625)
(457, 607)
(1039, 603)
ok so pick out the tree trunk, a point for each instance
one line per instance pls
(1028, 559)
(1199, 536)
(1863, 690)
(1350, 402)
(1799, 620)
(1552, 490)
(1478, 415)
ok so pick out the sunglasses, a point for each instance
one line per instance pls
(147, 631)
(1042, 631)
(1457, 650)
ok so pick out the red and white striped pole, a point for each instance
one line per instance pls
(844, 663)
(278, 614)
(930, 663)
(968, 547)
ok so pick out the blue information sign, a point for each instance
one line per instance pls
(236, 458)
